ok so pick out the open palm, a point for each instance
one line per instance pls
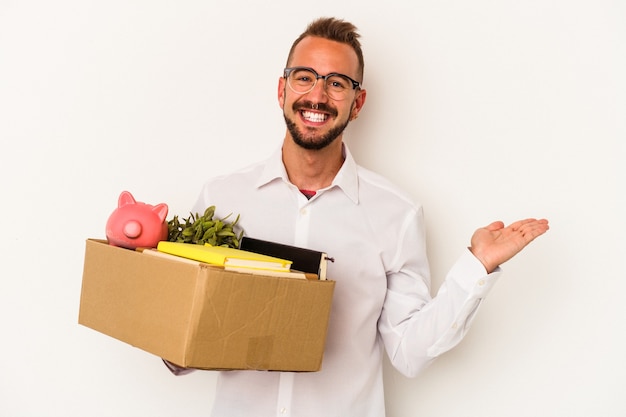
(495, 244)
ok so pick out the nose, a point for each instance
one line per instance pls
(318, 93)
(132, 229)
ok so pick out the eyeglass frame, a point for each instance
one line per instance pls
(287, 71)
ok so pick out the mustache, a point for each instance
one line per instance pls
(309, 105)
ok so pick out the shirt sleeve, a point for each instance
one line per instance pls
(415, 327)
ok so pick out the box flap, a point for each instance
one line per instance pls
(258, 322)
(136, 299)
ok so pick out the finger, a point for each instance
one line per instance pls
(534, 224)
(534, 229)
(526, 224)
(518, 224)
(497, 225)
(540, 227)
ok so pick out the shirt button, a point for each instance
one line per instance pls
(283, 410)
(481, 282)
(303, 212)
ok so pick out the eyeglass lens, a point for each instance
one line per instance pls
(303, 80)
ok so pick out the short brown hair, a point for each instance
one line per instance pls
(334, 30)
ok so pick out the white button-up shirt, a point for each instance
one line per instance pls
(382, 298)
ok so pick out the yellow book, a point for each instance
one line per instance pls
(223, 256)
(265, 272)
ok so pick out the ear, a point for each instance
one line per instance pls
(281, 92)
(161, 211)
(359, 102)
(125, 198)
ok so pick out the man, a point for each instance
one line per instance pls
(311, 193)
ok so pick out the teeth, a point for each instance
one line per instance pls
(314, 117)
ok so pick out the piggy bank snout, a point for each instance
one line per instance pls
(132, 229)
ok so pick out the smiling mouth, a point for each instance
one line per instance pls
(314, 117)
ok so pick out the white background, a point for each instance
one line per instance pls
(481, 110)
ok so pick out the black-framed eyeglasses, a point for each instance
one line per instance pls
(302, 80)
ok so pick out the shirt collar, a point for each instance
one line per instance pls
(346, 179)
(273, 169)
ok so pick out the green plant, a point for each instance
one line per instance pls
(204, 229)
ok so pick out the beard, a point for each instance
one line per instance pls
(309, 142)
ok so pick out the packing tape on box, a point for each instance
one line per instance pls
(260, 352)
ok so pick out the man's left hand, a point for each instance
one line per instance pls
(495, 244)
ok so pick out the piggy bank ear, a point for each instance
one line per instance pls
(125, 198)
(161, 211)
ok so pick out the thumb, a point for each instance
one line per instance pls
(497, 225)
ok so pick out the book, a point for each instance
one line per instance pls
(157, 253)
(225, 256)
(271, 273)
(282, 274)
(304, 260)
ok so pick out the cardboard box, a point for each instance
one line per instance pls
(201, 316)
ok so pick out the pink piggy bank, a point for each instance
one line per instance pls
(134, 224)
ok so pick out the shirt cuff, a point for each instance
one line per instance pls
(470, 274)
